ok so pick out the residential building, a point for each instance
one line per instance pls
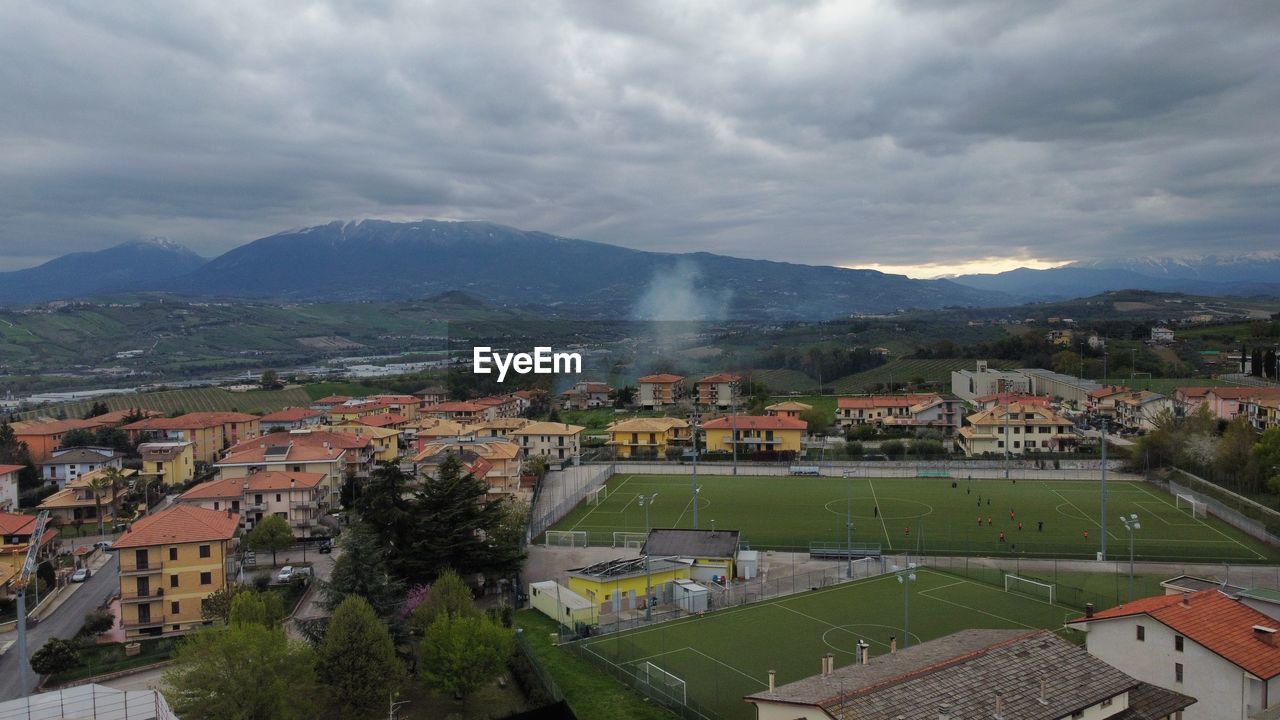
(15, 541)
(1026, 428)
(44, 436)
(170, 562)
(499, 463)
(1187, 400)
(874, 409)
(357, 409)
(1097, 342)
(463, 412)
(499, 406)
(720, 391)
(647, 437)
(1161, 335)
(754, 434)
(326, 403)
(496, 428)
(406, 406)
(298, 498)
(70, 463)
(432, 396)
(291, 419)
(294, 456)
(788, 408)
(1263, 413)
(1204, 644)
(1103, 400)
(358, 458)
(209, 432)
(431, 429)
(382, 442)
(984, 380)
(382, 421)
(660, 391)
(9, 486)
(1228, 402)
(1139, 410)
(585, 396)
(77, 502)
(554, 441)
(172, 463)
(986, 402)
(1027, 675)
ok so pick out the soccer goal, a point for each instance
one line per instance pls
(1031, 588)
(629, 540)
(598, 495)
(663, 683)
(565, 538)
(1188, 503)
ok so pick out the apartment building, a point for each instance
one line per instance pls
(554, 441)
(720, 391)
(1026, 428)
(297, 497)
(648, 437)
(660, 391)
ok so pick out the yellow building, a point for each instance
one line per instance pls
(15, 540)
(647, 437)
(385, 441)
(788, 408)
(1027, 428)
(326, 460)
(209, 432)
(76, 503)
(173, 463)
(755, 433)
(169, 563)
(620, 584)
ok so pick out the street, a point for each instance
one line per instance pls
(64, 623)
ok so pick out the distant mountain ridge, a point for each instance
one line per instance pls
(127, 266)
(1244, 274)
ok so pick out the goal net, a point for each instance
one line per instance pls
(1188, 503)
(597, 496)
(662, 683)
(1031, 588)
(565, 538)
(630, 540)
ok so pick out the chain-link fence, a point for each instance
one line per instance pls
(1248, 516)
(559, 492)
(1077, 469)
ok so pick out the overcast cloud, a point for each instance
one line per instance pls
(844, 133)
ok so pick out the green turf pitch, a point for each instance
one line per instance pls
(923, 515)
(727, 654)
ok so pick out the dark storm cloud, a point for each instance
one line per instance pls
(841, 133)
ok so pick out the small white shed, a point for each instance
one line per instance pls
(748, 564)
(689, 596)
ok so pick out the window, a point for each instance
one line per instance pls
(173, 607)
(257, 499)
(1077, 714)
(1177, 643)
(173, 553)
(1177, 672)
(173, 581)
(1107, 702)
(1142, 634)
(277, 497)
(205, 551)
(206, 578)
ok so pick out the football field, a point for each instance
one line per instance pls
(1038, 518)
(714, 660)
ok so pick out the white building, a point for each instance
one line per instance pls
(1203, 644)
(554, 441)
(1161, 335)
(9, 487)
(969, 384)
(70, 463)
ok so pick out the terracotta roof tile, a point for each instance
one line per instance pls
(179, 524)
(661, 379)
(756, 422)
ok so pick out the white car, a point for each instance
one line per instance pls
(80, 575)
(285, 574)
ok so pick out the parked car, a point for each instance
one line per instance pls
(80, 575)
(326, 545)
(104, 545)
(285, 574)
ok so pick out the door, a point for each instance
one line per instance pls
(144, 586)
(140, 559)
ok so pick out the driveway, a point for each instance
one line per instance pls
(64, 622)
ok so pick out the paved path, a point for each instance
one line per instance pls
(62, 622)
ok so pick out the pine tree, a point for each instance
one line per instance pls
(361, 570)
(357, 660)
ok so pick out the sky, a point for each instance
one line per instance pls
(924, 137)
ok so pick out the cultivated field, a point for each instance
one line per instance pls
(923, 515)
(727, 654)
(905, 371)
(189, 400)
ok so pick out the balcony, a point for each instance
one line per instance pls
(153, 621)
(309, 504)
(147, 568)
(150, 596)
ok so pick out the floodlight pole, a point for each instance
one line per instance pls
(1006, 428)
(694, 483)
(1103, 518)
(906, 576)
(648, 574)
(734, 435)
(848, 523)
(1131, 524)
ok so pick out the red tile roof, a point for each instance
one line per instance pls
(180, 524)
(17, 524)
(721, 378)
(6, 469)
(382, 420)
(192, 420)
(1192, 391)
(756, 422)
(1108, 391)
(885, 401)
(297, 453)
(53, 427)
(1215, 621)
(1240, 393)
(268, 480)
(454, 407)
(291, 415)
(661, 378)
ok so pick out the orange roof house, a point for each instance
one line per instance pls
(44, 436)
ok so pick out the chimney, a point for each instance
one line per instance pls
(1044, 697)
(864, 652)
(1265, 634)
(773, 679)
(893, 644)
(944, 712)
(1186, 599)
(831, 664)
(1088, 610)
(999, 714)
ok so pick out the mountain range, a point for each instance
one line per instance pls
(375, 260)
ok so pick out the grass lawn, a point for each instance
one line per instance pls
(826, 404)
(591, 692)
(490, 701)
(101, 659)
(727, 654)
(921, 515)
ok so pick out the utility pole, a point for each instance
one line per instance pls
(734, 422)
(648, 574)
(848, 524)
(694, 488)
(1103, 519)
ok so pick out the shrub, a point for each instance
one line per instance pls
(96, 623)
(56, 656)
(853, 449)
(893, 448)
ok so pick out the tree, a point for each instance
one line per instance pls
(818, 421)
(1234, 451)
(114, 477)
(97, 622)
(357, 661)
(459, 655)
(361, 570)
(79, 437)
(97, 485)
(98, 408)
(1266, 458)
(448, 597)
(217, 605)
(270, 380)
(271, 534)
(16, 452)
(248, 608)
(624, 396)
(57, 655)
(242, 672)
(893, 448)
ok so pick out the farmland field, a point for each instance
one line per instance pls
(907, 370)
(189, 400)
